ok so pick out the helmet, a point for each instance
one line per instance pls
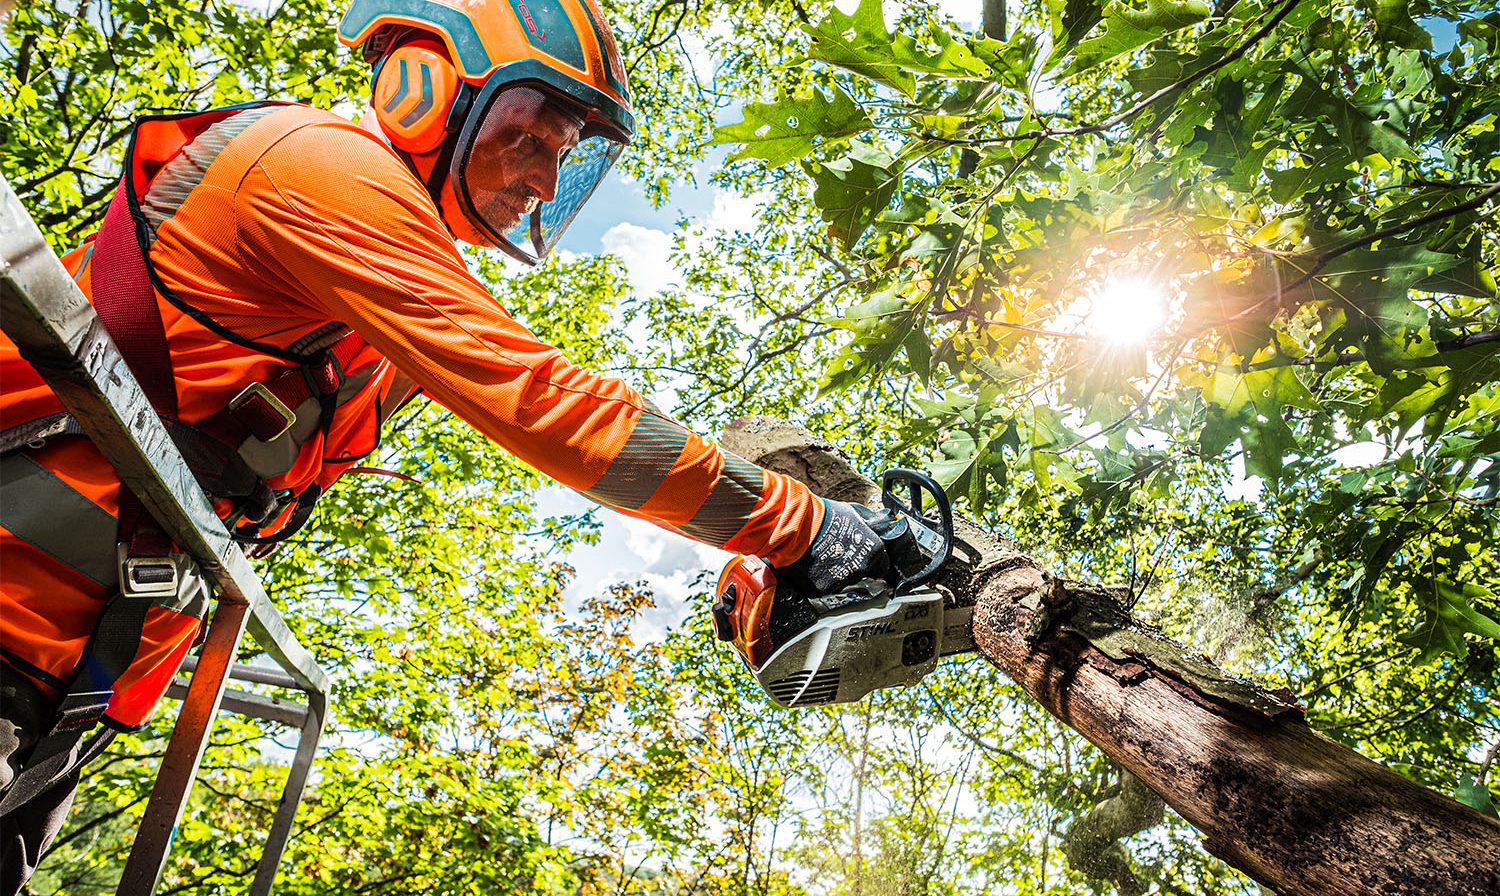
(512, 111)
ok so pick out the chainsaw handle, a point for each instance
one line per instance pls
(934, 536)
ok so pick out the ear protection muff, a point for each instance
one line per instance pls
(413, 93)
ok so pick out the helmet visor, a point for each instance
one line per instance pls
(526, 162)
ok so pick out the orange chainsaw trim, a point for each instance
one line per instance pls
(749, 618)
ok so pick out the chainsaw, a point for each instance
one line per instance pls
(814, 649)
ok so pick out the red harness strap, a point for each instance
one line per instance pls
(126, 302)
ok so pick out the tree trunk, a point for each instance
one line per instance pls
(1288, 807)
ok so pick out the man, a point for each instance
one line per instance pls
(280, 280)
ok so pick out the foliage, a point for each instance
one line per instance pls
(1307, 191)
(1312, 191)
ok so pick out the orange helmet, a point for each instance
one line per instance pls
(461, 88)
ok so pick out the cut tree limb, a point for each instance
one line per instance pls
(1285, 805)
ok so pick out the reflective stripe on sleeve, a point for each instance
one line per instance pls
(730, 504)
(45, 512)
(638, 470)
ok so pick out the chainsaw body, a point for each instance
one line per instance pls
(814, 649)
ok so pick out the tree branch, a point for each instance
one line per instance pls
(1322, 261)
(1290, 808)
(1342, 359)
(1092, 845)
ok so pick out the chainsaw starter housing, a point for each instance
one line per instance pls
(845, 655)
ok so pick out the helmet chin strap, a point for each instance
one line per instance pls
(440, 165)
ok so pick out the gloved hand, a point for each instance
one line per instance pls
(845, 551)
(760, 609)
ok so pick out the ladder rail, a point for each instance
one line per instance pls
(55, 327)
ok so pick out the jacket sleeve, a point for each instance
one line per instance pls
(332, 219)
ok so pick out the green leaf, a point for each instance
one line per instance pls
(1126, 28)
(960, 469)
(1468, 276)
(1360, 133)
(1270, 390)
(1267, 445)
(860, 316)
(1394, 24)
(1450, 616)
(1410, 396)
(1072, 19)
(851, 191)
(861, 44)
(789, 128)
(1475, 795)
(882, 324)
(1409, 70)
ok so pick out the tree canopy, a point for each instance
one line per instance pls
(1194, 299)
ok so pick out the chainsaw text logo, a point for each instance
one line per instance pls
(861, 632)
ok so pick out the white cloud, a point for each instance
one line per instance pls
(646, 254)
(733, 211)
(666, 552)
(965, 12)
(634, 550)
(1358, 455)
(1242, 487)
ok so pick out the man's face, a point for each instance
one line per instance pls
(516, 155)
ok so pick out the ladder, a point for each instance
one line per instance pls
(57, 331)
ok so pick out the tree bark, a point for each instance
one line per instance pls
(1295, 811)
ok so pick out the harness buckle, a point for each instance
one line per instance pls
(79, 708)
(267, 417)
(146, 576)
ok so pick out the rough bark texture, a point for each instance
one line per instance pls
(1293, 810)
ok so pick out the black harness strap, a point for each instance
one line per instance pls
(51, 516)
(33, 433)
(110, 652)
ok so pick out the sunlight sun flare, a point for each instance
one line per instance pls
(1126, 310)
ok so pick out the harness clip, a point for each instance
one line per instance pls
(146, 576)
(266, 416)
(79, 708)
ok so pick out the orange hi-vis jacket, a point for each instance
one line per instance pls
(264, 228)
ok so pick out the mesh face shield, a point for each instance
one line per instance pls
(526, 160)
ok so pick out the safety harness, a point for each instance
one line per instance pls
(228, 451)
(149, 575)
(277, 415)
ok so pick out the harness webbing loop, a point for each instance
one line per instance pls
(110, 652)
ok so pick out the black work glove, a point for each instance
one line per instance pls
(846, 551)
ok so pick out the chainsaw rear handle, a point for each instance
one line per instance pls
(933, 536)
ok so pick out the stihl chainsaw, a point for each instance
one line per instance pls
(812, 649)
